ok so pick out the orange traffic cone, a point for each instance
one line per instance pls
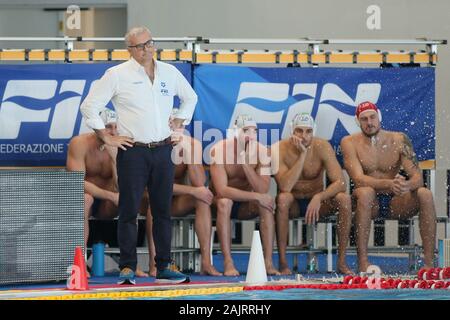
(78, 275)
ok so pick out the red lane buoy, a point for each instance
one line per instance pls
(356, 280)
(422, 284)
(403, 284)
(396, 282)
(433, 274)
(438, 285)
(347, 279)
(420, 274)
(444, 273)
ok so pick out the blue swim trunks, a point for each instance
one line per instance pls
(303, 205)
(384, 203)
(235, 209)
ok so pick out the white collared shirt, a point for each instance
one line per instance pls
(143, 108)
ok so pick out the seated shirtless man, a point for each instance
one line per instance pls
(88, 153)
(241, 179)
(373, 158)
(301, 161)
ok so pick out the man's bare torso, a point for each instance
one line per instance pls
(226, 151)
(188, 153)
(382, 160)
(180, 173)
(311, 178)
(100, 166)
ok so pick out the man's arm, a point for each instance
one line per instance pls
(112, 152)
(286, 178)
(188, 99)
(100, 94)
(334, 173)
(197, 175)
(196, 172)
(181, 189)
(355, 171)
(259, 182)
(410, 164)
(201, 193)
(193, 158)
(220, 179)
(98, 97)
(76, 162)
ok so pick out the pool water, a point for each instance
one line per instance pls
(311, 294)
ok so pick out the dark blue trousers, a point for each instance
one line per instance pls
(137, 168)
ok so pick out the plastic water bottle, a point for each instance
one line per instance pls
(416, 258)
(313, 264)
(98, 259)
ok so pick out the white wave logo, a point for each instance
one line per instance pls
(327, 115)
(12, 115)
(267, 91)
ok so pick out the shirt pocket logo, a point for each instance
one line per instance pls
(164, 90)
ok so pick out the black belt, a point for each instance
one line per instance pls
(153, 144)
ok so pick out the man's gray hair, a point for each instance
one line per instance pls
(134, 32)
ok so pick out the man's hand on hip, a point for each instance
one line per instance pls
(118, 141)
(176, 136)
(177, 123)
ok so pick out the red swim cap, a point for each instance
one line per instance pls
(365, 106)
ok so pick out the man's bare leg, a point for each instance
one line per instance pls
(150, 244)
(267, 228)
(183, 205)
(223, 222)
(427, 224)
(366, 203)
(407, 205)
(284, 203)
(88, 202)
(203, 228)
(344, 223)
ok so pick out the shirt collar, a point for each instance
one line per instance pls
(136, 65)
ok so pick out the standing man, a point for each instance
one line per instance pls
(373, 159)
(301, 161)
(188, 197)
(141, 90)
(240, 173)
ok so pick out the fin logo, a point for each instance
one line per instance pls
(269, 103)
(250, 92)
(27, 101)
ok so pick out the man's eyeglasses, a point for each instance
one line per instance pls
(149, 44)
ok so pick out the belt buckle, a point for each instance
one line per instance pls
(150, 145)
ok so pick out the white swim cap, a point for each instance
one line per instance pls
(243, 121)
(302, 120)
